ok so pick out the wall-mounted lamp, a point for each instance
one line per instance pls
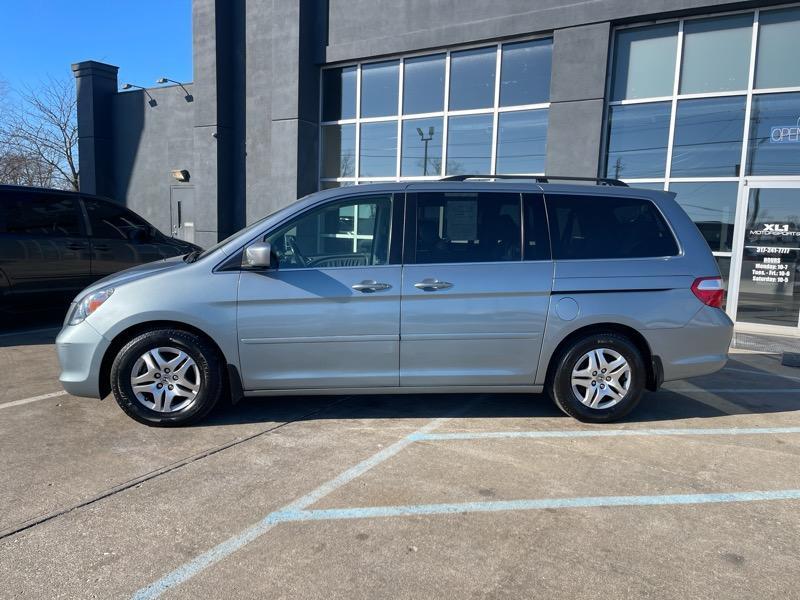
(188, 97)
(151, 101)
(181, 175)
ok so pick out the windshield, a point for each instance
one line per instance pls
(219, 245)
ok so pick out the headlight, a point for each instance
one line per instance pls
(88, 304)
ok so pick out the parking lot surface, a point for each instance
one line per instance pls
(696, 494)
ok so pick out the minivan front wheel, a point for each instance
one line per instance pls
(167, 377)
(599, 378)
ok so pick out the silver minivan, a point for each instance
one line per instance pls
(592, 293)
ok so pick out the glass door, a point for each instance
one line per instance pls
(765, 290)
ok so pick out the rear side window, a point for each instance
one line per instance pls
(113, 223)
(584, 227)
(468, 227)
(39, 215)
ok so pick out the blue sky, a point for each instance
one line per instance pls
(146, 39)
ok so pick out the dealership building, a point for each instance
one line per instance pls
(699, 97)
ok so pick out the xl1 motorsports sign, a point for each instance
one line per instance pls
(770, 259)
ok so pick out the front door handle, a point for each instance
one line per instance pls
(370, 285)
(432, 285)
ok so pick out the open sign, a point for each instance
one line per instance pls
(785, 134)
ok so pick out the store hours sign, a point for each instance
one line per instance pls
(770, 258)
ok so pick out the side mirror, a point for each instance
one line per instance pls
(139, 235)
(258, 256)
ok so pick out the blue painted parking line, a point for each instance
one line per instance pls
(590, 433)
(231, 545)
(372, 512)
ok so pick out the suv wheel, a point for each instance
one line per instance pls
(600, 378)
(167, 377)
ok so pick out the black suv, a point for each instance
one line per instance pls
(54, 243)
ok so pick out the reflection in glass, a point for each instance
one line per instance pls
(644, 64)
(339, 94)
(778, 48)
(716, 54)
(338, 150)
(469, 144)
(769, 289)
(774, 146)
(472, 78)
(422, 147)
(724, 264)
(379, 83)
(712, 207)
(637, 140)
(521, 141)
(525, 72)
(378, 150)
(423, 84)
(708, 137)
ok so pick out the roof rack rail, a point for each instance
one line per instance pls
(539, 178)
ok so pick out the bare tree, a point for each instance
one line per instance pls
(40, 136)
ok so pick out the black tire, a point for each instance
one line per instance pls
(560, 384)
(209, 366)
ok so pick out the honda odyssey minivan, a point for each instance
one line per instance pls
(592, 293)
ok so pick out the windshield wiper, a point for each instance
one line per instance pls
(192, 256)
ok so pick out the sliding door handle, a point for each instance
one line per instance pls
(432, 285)
(370, 285)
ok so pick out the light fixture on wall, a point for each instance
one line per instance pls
(151, 101)
(188, 97)
(181, 175)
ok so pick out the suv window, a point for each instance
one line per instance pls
(466, 227)
(39, 214)
(348, 233)
(111, 222)
(583, 227)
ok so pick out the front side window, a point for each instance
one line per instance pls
(39, 215)
(349, 233)
(114, 223)
(468, 227)
(592, 227)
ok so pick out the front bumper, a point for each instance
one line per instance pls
(80, 351)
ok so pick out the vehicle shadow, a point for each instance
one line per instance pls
(31, 327)
(691, 399)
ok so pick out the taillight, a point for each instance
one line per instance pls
(709, 290)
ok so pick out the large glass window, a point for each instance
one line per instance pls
(378, 151)
(422, 147)
(644, 62)
(472, 78)
(350, 233)
(716, 54)
(379, 85)
(339, 94)
(525, 72)
(458, 114)
(712, 207)
(778, 48)
(708, 137)
(774, 147)
(423, 84)
(469, 144)
(637, 140)
(522, 141)
(457, 227)
(339, 150)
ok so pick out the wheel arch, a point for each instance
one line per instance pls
(123, 337)
(652, 363)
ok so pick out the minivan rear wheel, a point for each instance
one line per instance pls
(167, 377)
(599, 378)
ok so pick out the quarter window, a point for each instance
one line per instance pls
(39, 215)
(350, 233)
(591, 227)
(459, 227)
